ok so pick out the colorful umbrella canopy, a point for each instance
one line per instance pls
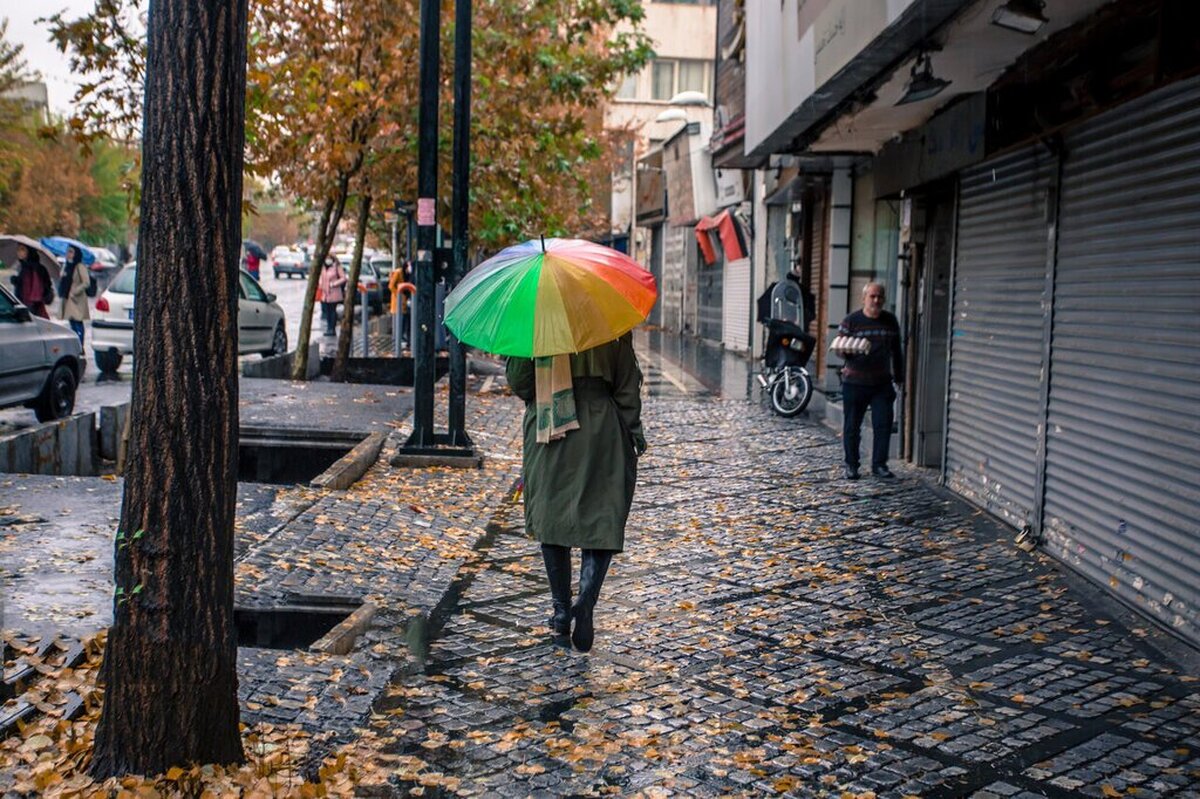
(59, 244)
(8, 253)
(550, 297)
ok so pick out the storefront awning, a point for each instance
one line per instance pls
(728, 230)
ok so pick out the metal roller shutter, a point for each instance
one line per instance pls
(709, 290)
(996, 350)
(736, 305)
(1122, 500)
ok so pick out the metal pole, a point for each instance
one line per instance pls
(424, 370)
(395, 266)
(366, 341)
(459, 210)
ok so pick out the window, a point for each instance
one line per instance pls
(691, 77)
(672, 76)
(250, 289)
(664, 80)
(8, 311)
(628, 88)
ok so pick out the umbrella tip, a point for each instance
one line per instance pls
(543, 238)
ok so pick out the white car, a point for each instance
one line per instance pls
(260, 320)
(40, 361)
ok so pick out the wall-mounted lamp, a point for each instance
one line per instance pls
(1023, 16)
(921, 82)
(691, 98)
(672, 115)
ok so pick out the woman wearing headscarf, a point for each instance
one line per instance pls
(32, 282)
(583, 436)
(332, 286)
(73, 289)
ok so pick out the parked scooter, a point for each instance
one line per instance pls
(785, 377)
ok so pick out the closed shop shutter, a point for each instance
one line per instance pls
(1122, 485)
(996, 349)
(736, 310)
(709, 292)
(656, 269)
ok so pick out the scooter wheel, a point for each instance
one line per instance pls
(791, 396)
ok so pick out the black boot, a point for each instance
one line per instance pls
(592, 569)
(558, 571)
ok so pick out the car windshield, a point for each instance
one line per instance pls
(123, 282)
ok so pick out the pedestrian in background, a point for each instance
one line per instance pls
(73, 289)
(332, 287)
(867, 381)
(253, 262)
(583, 436)
(32, 283)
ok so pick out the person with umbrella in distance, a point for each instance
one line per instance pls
(255, 255)
(33, 283)
(561, 310)
(73, 288)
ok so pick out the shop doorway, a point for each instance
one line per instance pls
(934, 263)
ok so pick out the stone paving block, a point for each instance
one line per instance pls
(956, 723)
(1055, 685)
(992, 619)
(897, 645)
(466, 636)
(800, 681)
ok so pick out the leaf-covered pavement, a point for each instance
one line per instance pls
(769, 630)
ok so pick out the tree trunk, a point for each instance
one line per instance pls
(170, 666)
(331, 217)
(347, 332)
(320, 251)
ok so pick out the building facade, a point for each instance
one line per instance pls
(1023, 178)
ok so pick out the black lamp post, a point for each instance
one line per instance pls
(460, 210)
(424, 369)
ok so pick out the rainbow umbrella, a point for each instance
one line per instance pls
(550, 297)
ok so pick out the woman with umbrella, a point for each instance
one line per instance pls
(562, 312)
(32, 282)
(73, 288)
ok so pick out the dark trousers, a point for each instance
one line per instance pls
(329, 313)
(77, 326)
(855, 401)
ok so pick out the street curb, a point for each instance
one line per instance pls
(340, 640)
(351, 466)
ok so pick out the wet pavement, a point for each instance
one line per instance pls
(770, 629)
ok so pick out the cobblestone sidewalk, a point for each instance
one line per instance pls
(774, 630)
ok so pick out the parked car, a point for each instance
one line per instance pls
(382, 263)
(261, 326)
(368, 277)
(290, 263)
(40, 361)
(105, 267)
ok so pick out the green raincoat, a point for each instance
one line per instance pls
(578, 489)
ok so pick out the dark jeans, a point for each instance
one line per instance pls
(855, 401)
(329, 314)
(77, 326)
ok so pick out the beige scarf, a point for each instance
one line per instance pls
(555, 404)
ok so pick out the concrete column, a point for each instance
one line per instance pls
(841, 208)
(758, 263)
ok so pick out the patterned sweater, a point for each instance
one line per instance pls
(884, 362)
